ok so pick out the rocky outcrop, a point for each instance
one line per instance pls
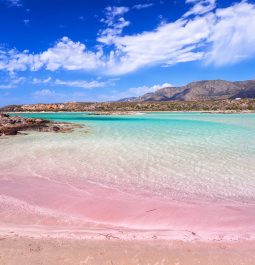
(12, 125)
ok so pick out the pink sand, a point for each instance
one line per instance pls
(48, 205)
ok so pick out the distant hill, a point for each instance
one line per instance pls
(216, 95)
(201, 90)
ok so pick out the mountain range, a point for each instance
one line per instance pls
(213, 95)
(201, 90)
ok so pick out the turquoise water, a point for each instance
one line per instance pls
(172, 154)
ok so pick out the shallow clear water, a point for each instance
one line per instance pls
(181, 155)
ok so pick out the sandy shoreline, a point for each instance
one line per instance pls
(34, 251)
(29, 203)
(100, 232)
(142, 111)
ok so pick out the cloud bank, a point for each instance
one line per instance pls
(204, 33)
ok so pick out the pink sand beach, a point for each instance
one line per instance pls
(86, 198)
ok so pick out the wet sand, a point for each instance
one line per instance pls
(43, 222)
(47, 223)
(39, 203)
(15, 250)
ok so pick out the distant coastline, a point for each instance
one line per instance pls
(102, 113)
(214, 106)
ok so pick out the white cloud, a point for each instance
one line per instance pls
(217, 36)
(65, 54)
(232, 37)
(108, 35)
(36, 81)
(112, 14)
(6, 86)
(44, 93)
(131, 92)
(17, 80)
(222, 37)
(113, 11)
(169, 44)
(200, 7)
(69, 55)
(11, 3)
(13, 60)
(141, 90)
(12, 82)
(115, 23)
(74, 83)
(142, 6)
(81, 83)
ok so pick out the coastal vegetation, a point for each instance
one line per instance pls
(227, 105)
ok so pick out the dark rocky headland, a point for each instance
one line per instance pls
(12, 125)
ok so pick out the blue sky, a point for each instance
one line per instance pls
(73, 50)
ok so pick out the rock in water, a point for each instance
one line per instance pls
(12, 125)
